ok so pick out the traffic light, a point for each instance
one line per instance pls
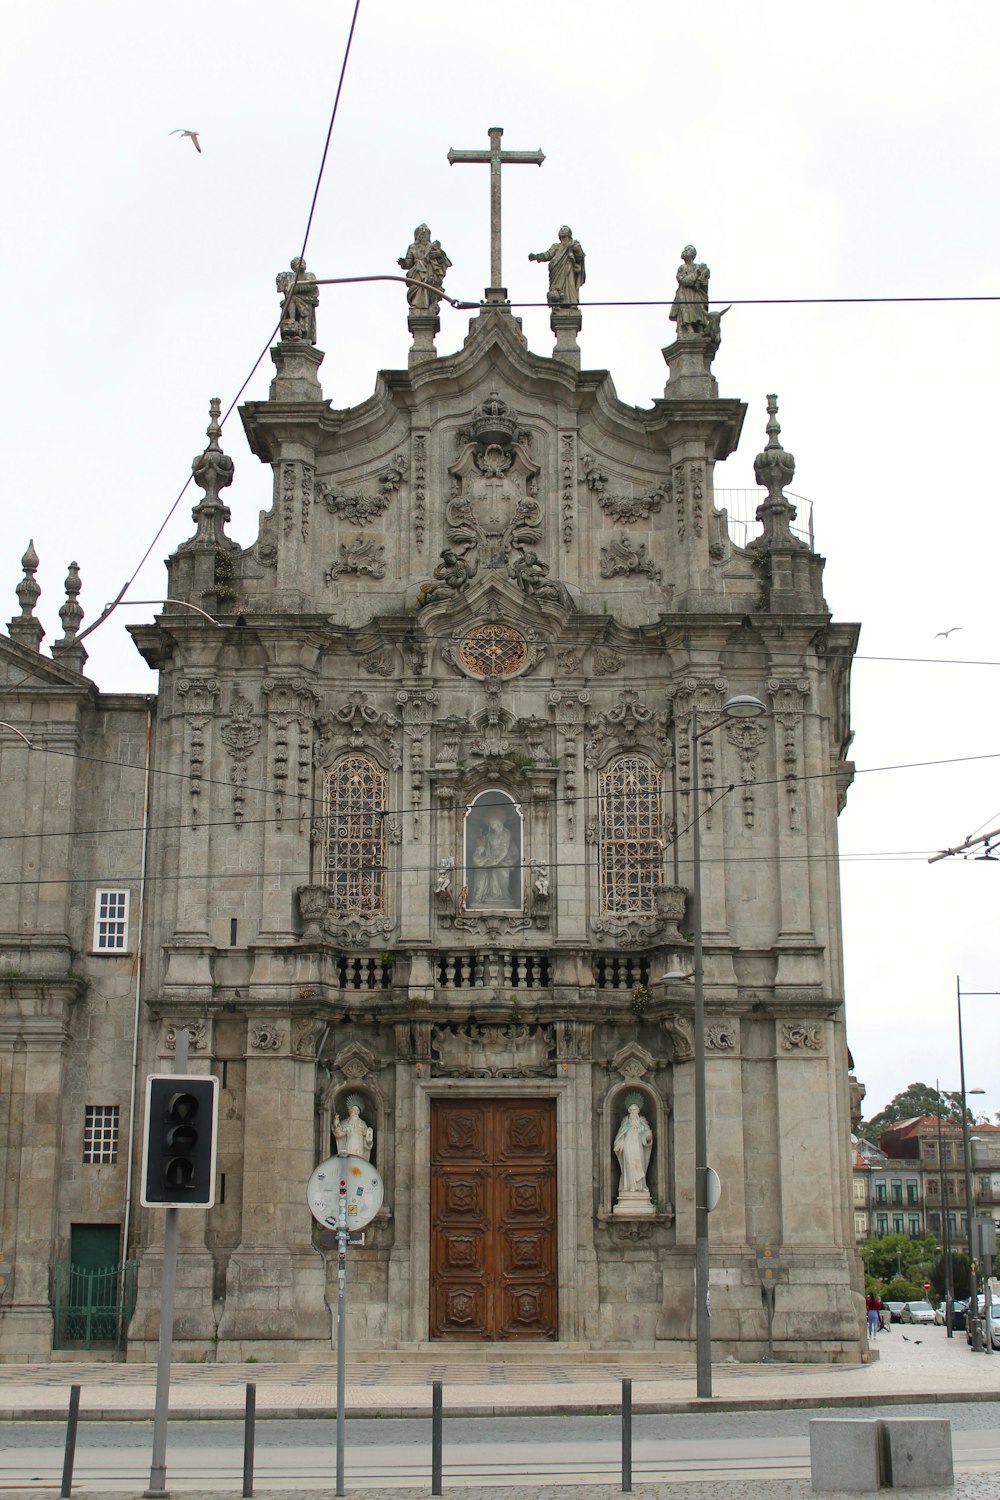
(178, 1155)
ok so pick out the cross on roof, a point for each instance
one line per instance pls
(496, 158)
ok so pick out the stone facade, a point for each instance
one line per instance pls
(409, 821)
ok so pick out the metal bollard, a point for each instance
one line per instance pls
(627, 1436)
(72, 1421)
(436, 1415)
(249, 1421)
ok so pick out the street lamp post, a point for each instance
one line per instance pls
(742, 706)
(970, 1198)
(949, 1285)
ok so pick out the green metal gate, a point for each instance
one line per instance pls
(92, 1306)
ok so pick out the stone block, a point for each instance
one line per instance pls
(844, 1454)
(918, 1453)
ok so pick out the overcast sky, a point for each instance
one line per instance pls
(806, 152)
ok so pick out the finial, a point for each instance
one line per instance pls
(24, 628)
(213, 471)
(68, 652)
(774, 468)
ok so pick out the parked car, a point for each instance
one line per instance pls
(958, 1307)
(994, 1322)
(894, 1309)
(917, 1312)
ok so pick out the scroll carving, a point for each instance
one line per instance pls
(513, 1051)
(621, 507)
(362, 506)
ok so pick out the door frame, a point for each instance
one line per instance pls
(572, 1140)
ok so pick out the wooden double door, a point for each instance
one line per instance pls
(493, 1219)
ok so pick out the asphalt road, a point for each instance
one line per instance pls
(763, 1445)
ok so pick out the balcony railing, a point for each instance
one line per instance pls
(741, 508)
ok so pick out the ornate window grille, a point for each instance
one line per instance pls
(629, 799)
(354, 796)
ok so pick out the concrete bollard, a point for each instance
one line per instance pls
(844, 1454)
(861, 1456)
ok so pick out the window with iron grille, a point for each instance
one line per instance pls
(110, 921)
(100, 1135)
(354, 797)
(631, 845)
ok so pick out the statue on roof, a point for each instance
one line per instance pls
(690, 306)
(567, 268)
(299, 300)
(426, 265)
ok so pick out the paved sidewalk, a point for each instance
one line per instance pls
(918, 1364)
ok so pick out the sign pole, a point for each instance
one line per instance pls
(341, 1327)
(158, 1462)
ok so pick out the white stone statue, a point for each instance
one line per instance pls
(442, 886)
(353, 1136)
(567, 268)
(633, 1146)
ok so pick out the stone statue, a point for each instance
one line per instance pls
(425, 262)
(452, 575)
(531, 574)
(690, 306)
(442, 886)
(633, 1145)
(567, 268)
(298, 318)
(494, 855)
(353, 1136)
(540, 879)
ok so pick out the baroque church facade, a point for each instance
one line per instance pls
(405, 838)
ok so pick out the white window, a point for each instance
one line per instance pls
(111, 922)
(100, 1134)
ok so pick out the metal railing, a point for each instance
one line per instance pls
(741, 509)
(92, 1308)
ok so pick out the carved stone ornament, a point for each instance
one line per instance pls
(671, 904)
(721, 1036)
(493, 650)
(513, 1051)
(362, 506)
(306, 1036)
(621, 557)
(314, 903)
(494, 510)
(358, 934)
(358, 557)
(626, 932)
(680, 1029)
(747, 737)
(240, 735)
(606, 662)
(798, 1036)
(266, 1036)
(197, 1035)
(632, 1062)
(623, 507)
(356, 1062)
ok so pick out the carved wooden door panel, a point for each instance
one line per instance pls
(493, 1219)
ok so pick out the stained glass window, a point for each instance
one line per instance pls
(354, 856)
(493, 650)
(629, 796)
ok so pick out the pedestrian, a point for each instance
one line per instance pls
(872, 1303)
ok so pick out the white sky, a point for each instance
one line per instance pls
(805, 151)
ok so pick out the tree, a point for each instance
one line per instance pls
(959, 1274)
(891, 1256)
(917, 1099)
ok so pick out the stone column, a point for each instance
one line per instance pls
(275, 1282)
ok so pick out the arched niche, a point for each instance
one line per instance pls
(493, 847)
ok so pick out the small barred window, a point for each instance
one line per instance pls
(111, 922)
(100, 1135)
(354, 853)
(631, 846)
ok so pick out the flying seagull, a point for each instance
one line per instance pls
(192, 136)
(947, 633)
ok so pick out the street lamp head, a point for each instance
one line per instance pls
(743, 706)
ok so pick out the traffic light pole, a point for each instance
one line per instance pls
(341, 1328)
(158, 1463)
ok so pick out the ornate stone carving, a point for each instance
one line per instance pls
(633, 1062)
(622, 723)
(426, 265)
(788, 696)
(358, 557)
(721, 1036)
(606, 662)
(494, 510)
(514, 1051)
(299, 300)
(357, 724)
(197, 1035)
(451, 577)
(531, 576)
(200, 696)
(800, 1036)
(444, 889)
(297, 490)
(307, 1034)
(625, 932)
(291, 703)
(747, 737)
(623, 508)
(240, 735)
(380, 663)
(567, 268)
(362, 506)
(487, 924)
(266, 1036)
(314, 902)
(680, 1029)
(671, 904)
(621, 557)
(418, 488)
(359, 934)
(567, 478)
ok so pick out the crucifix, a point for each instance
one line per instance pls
(496, 158)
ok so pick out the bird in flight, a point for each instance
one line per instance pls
(947, 633)
(192, 136)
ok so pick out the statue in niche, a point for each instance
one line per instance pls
(426, 263)
(633, 1146)
(298, 317)
(567, 268)
(442, 885)
(690, 306)
(540, 879)
(493, 856)
(452, 575)
(353, 1136)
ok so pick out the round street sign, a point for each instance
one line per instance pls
(364, 1191)
(713, 1189)
(927, 1286)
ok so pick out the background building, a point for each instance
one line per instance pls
(407, 828)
